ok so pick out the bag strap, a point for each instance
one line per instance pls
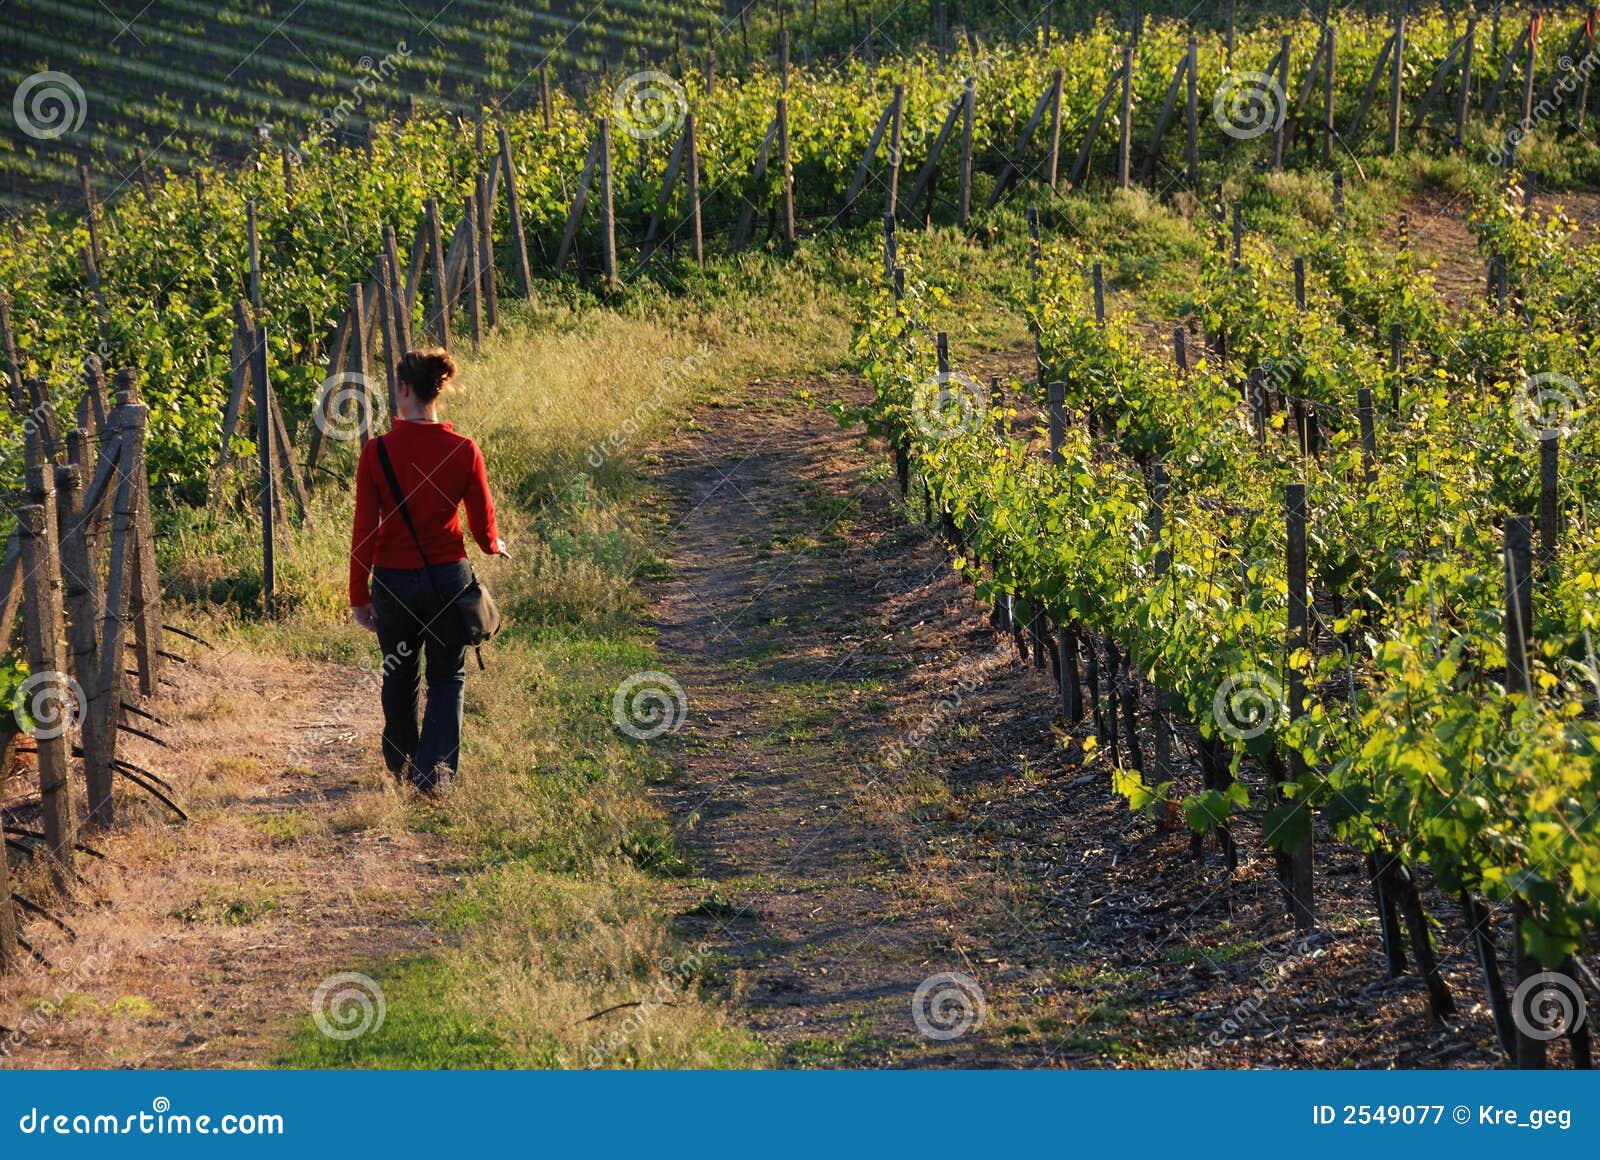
(400, 506)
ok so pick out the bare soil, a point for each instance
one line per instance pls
(201, 943)
(817, 627)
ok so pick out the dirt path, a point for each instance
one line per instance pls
(816, 631)
(200, 944)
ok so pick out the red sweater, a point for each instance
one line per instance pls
(438, 471)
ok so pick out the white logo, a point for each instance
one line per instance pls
(1548, 404)
(1247, 704)
(348, 1005)
(47, 704)
(1548, 1005)
(648, 105)
(649, 705)
(1249, 104)
(48, 105)
(947, 405)
(347, 405)
(948, 1005)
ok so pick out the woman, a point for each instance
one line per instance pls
(402, 579)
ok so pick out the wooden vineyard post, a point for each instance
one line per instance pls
(1338, 192)
(1057, 393)
(9, 948)
(896, 125)
(253, 242)
(1097, 276)
(1527, 77)
(1397, 79)
(1180, 349)
(358, 367)
(485, 209)
(519, 236)
(394, 292)
(1582, 109)
(474, 260)
(1125, 129)
(692, 160)
(127, 422)
(93, 256)
(785, 173)
(864, 170)
(1479, 923)
(1167, 105)
(144, 582)
(1464, 92)
(1549, 508)
(1369, 438)
(1052, 163)
(439, 318)
(1280, 128)
(389, 325)
(1519, 604)
(264, 442)
(1329, 131)
(1297, 861)
(1299, 266)
(608, 223)
(997, 406)
(51, 700)
(1192, 112)
(969, 101)
(85, 602)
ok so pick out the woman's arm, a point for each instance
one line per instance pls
(480, 507)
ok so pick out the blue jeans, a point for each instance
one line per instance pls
(415, 624)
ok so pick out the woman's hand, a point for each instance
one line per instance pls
(500, 549)
(365, 617)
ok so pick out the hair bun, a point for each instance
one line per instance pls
(427, 372)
